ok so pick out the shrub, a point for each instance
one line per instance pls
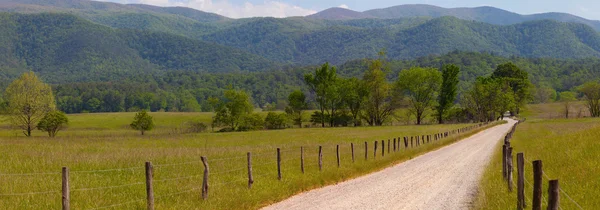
(251, 122)
(53, 122)
(196, 127)
(276, 121)
(142, 122)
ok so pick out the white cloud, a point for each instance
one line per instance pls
(344, 6)
(223, 7)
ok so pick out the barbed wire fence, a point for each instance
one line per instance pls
(538, 178)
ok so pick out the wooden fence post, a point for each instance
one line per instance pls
(520, 182)
(320, 158)
(510, 169)
(394, 144)
(352, 148)
(388, 146)
(405, 142)
(375, 150)
(382, 148)
(411, 141)
(66, 200)
(302, 159)
(537, 185)
(149, 188)
(278, 164)
(205, 179)
(366, 151)
(553, 195)
(504, 150)
(337, 151)
(250, 178)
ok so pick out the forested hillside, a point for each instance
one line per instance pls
(64, 48)
(339, 35)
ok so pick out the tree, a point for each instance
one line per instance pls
(517, 80)
(486, 98)
(591, 91)
(448, 90)
(232, 110)
(29, 100)
(53, 122)
(420, 86)
(544, 94)
(142, 122)
(296, 106)
(354, 95)
(566, 98)
(380, 101)
(323, 85)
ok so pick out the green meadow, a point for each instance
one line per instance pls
(106, 162)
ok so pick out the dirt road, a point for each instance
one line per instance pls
(443, 179)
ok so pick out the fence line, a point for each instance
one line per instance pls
(561, 189)
(539, 175)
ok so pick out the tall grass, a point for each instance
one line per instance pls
(92, 147)
(569, 150)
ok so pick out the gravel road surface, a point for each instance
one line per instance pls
(446, 178)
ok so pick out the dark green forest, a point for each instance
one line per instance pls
(190, 91)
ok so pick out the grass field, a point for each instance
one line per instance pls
(577, 109)
(106, 160)
(569, 150)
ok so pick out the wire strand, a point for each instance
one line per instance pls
(30, 193)
(108, 187)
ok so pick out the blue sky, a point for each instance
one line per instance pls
(284, 8)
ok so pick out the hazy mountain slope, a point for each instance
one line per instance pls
(182, 21)
(483, 14)
(280, 40)
(337, 13)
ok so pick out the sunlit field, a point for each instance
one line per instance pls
(569, 150)
(106, 160)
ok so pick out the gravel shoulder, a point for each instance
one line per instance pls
(446, 178)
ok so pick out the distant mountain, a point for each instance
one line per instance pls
(177, 20)
(284, 40)
(65, 48)
(183, 38)
(96, 6)
(483, 14)
(337, 13)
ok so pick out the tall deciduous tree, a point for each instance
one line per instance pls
(517, 80)
(29, 99)
(591, 91)
(448, 90)
(380, 101)
(324, 84)
(296, 106)
(486, 98)
(232, 110)
(354, 94)
(420, 86)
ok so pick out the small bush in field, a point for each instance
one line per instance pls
(276, 121)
